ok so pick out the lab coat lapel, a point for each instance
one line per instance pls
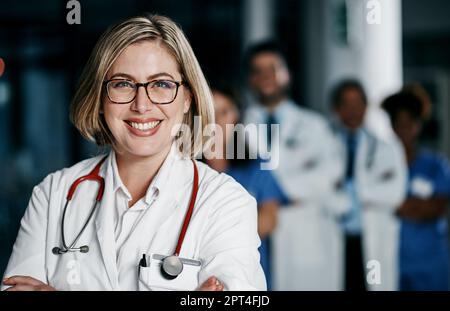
(165, 206)
(361, 156)
(105, 229)
(290, 128)
(160, 212)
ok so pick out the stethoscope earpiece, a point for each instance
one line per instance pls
(171, 267)
(84, 249)
(56, 251)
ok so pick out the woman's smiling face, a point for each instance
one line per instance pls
(141, 127)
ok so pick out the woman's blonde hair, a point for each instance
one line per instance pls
(86, 105)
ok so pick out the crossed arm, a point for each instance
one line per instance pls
(27, 283)
(423, 209)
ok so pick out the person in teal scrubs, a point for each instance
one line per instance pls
(424, 250)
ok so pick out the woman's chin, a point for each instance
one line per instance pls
(149, 149)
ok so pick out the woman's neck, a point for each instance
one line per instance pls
(219, 162)
(137, 172)
(272, 103)
(219, 165)
(410, 150)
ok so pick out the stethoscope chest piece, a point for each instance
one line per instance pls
(171, 267)
(56, 251)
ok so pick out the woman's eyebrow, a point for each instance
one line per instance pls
(151, 77)
(160, 74)
(122, 75)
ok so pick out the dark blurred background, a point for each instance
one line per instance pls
(44, 56)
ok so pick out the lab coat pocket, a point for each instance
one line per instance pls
(151, 278)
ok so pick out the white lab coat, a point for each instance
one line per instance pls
(380, 181)
(304, 243)
(222, 231)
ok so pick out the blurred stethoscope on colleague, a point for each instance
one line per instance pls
(171, 266)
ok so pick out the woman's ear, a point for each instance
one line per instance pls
(187, 102)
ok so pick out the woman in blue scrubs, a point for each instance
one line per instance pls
(259, 183)
(424, 251)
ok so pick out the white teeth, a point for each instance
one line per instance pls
(144, 126)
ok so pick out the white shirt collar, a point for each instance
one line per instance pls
(279, 112)
(158, 182)
(282, 109)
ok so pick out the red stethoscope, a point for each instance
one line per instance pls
(171, 266)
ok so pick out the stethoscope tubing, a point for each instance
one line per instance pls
(94, 175)
(72, 245)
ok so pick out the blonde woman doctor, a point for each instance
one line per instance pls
(162, 221)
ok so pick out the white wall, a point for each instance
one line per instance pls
(258, 21)
(369, 52)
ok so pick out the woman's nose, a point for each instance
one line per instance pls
(142, 102)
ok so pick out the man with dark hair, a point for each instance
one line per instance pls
(303, 245)
(268, 73)
(374, 183)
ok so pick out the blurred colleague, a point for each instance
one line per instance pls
(424, 254)
(374, 182)
(303, 248)
(259, 183)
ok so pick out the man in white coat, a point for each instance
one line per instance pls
(303, 249)
(374, 184)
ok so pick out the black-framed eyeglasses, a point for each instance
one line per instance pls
(124, 91)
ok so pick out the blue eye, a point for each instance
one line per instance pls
(123, 84)
(164, 84)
